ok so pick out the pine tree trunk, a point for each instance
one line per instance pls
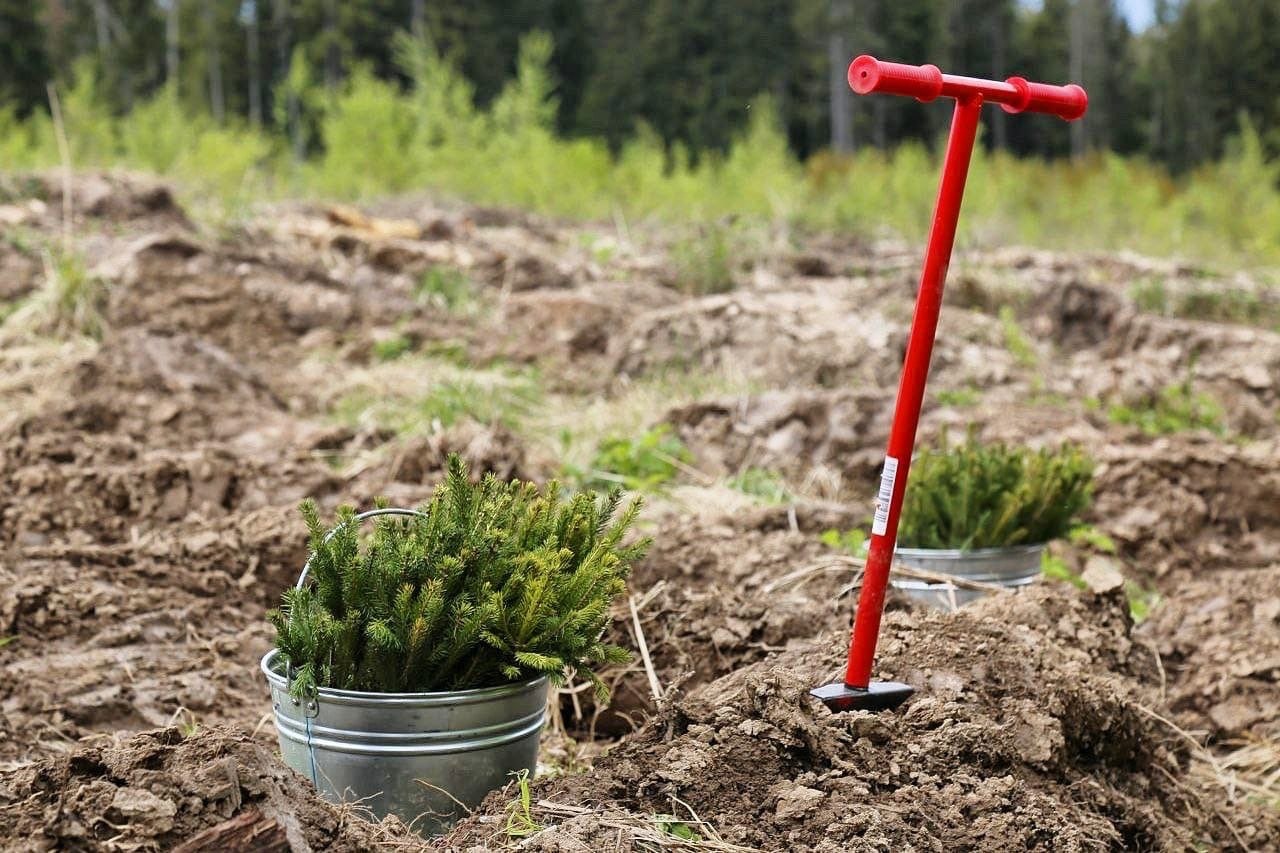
(1075, 61)
(293, 122)
(217, 102)
(171, 43)
(255, 70)
(999, 36)
(837, 81)
(101, 28)
(332, 57)
(418, 19)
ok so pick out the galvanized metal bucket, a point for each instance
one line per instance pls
(975, 573)
(427, 758)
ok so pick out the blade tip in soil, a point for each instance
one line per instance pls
(877, 696)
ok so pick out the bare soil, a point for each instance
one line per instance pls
(149, 483)
(1033, 731)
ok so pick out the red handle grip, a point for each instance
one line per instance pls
(1066, 102)
(868, 74)
(925, 82)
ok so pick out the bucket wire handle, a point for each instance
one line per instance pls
(386, 510)
(306, 568)
(312, 707)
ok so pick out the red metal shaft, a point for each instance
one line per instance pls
(915, 370)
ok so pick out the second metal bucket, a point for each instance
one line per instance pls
(427, 758)
(1005, 567)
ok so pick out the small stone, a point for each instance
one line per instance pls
(797, 801)
(146, 813)
(1102, 574)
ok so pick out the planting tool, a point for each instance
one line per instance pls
(868, 75)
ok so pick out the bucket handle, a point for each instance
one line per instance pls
(313, 707)
(386, 510)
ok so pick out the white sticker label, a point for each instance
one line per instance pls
(887, 479)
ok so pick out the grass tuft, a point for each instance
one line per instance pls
(520, 822)
(644, 463)
(445, 287)
(1176, 408)
(761, 483)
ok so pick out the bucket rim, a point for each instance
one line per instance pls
(270, 665)
(976, 553)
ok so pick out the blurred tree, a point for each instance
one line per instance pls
(688, 68)
(24, 56)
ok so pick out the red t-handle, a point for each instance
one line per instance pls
(924, 83)
(868, 75)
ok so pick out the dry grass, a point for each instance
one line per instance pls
(35, 370)
(571, 428)
(1248, 767)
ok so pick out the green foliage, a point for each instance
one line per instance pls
(1214, 301)
(77, 298)
(1150, 294)
(498, 582)
(761, 483)
(389, 349)
(976, 496)
(69, 303)
(1055, 568)
(445, 287)
(1016, 341)
(676, 828)
(706, 260)
(854, 541)
(440, 396)
(961, 398)
(520, 822)
(665, 136)
(1088, 536)
(368, 140)
(1085, 536)
(1176, 408)
(643, 463)
(1142, 600)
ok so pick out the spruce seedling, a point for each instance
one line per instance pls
(495, 582)
(979, 496)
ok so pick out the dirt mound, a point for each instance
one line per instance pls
(1219, 641)
(1123, 355)
(715, 594)
(161, 791)
(257, 304)
(154, 429)
(116, 197)
(744, 550)
(20, 271)
(105, 639)
(830, 442)
(814, 338)
(140, 380)
(83, 489)
(1185, 501)
(1030, 732)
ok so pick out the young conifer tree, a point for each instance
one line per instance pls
(495, 582)
(993, 496)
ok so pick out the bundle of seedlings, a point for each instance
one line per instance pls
(976, 517)
(412, 663)
(492, 582)
(975, 496)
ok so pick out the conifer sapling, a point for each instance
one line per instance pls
(496, 582)
(993, 496)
